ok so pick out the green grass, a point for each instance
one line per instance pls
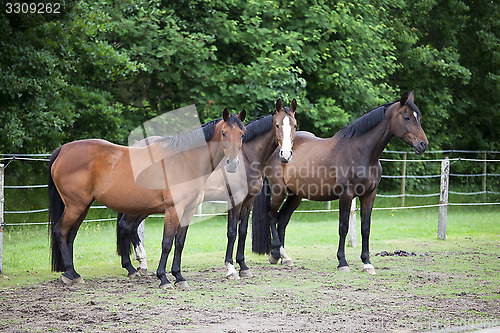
(460, 274)
(309, 235)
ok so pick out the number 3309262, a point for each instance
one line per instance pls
(32, 8)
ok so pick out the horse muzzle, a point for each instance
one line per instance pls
(420, 147)
(285, 158)
(232, 165)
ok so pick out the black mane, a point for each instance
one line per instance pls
(258, 127)
(199, 136)
(365, 123)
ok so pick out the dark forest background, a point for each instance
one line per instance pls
(98, 69)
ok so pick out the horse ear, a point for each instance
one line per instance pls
(293, 106)
(225, 114)
(242, 115)
(404, 98)
(411, 97)
(279, 106)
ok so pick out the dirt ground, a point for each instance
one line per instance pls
(308, 297)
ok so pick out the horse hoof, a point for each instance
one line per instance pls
(66, 280)
(182, 285)
(78, 280)
(232, 276)
(135, 275)
(246, 273)
(287, 262)
(273, 260)
(368, 268)
(344, 269)
(167, 285)
(143, 271)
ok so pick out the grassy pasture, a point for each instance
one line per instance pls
(452, 283)
(26, 248)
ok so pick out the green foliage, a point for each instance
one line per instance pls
(54, 76)
(99, 69)
(449, 55)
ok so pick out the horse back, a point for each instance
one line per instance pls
(324, 169)
(85, 168)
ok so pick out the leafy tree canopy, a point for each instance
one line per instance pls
(99, 69)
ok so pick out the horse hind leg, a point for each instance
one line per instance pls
(139, 249)
(124, 237)
(64, 233)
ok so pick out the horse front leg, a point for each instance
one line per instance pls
(276, 200)
(180, 239)
(242, 235)
(274, 255)
(169, 230)
(232, 225)
(291, 204)
(344, 211)
(366, 214)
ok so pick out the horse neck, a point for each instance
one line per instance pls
(261, 148)
(215, 150)
(376, 139)
(207, 165)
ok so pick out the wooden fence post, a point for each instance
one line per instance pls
(199, 209)
(351, 237)
(403, 180)
(443, 198)
(1, 217)
(484, 175)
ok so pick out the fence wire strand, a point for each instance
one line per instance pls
(43, 158)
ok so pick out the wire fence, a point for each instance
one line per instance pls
(442, 205)
(6, 159)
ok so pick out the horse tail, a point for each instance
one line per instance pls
(56, 211)
(261, 234)
(124, 237)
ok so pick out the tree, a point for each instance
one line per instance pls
(54, 76)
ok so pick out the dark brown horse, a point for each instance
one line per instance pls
(164, 177)
(342, 167)
(263, 136)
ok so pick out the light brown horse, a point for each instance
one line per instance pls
(342, 167)
(164, 177)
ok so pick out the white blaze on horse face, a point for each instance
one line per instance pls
(415, 115)
(286, 146)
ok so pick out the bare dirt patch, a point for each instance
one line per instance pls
(308, 297)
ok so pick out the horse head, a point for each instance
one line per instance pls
(405, 124)
(285, 126)
(232, 133)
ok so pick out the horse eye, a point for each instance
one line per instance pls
(295, 127)
(277, 126)
(223, 134)
(407, 118)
